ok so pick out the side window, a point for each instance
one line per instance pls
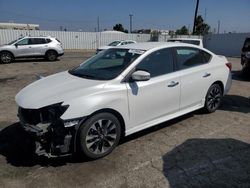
(23, 42)
(189, 57)
(206, 56)
(123, 43)
(48, 40)
(158, 63)
(37, 41)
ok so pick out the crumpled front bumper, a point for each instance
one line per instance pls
(52, 138)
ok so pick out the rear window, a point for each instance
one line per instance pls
(58, 40)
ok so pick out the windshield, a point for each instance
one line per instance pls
(115, 43)
(12, 42)
(106, 65)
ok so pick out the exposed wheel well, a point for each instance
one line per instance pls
(221, 85)
(8, 52)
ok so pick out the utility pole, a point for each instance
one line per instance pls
(195, 14)
(130, 18)
(218, 30)
(205, 17)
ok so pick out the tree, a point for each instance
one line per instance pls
(182, 31)
(201, 28)
(118, 27)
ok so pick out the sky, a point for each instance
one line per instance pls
(81, 15)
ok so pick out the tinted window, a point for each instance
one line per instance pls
(23, 42)
(189, 57)
(37, 41)
(48, 40)
(157, 63)
(206, 56)
(247, 44)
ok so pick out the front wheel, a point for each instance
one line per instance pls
(213, 98)
(99, 135)
(6, 57)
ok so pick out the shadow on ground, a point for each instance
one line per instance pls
(208, 163)
(235, 103)
(238, 75)
(19, 149)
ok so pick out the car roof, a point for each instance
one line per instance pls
(38, 37)
(150, 45)
(185, 39)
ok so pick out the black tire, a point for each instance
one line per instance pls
(245, 69)
(213, 98)
(99, 135)
(51, 55)
(6, 57)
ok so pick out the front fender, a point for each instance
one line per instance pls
(87, 105)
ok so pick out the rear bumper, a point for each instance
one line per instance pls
(228, 84)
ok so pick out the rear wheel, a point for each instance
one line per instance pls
(99, 135)
(213, 98)
(6, 57)
(51, 55)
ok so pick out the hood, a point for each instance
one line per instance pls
(56, 88)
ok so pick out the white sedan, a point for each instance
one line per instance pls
(118, 92)
(114, 44)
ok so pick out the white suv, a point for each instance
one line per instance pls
(118, 92)
(26, 47)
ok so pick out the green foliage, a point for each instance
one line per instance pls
(182, 31)
(119, 27)
(201, 28)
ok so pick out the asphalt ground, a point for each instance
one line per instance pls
(195, 150)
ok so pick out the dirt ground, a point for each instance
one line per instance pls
(195, 150)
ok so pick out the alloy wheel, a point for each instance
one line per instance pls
(214, 98)
(101, 136)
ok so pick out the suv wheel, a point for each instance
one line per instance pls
(51, 55)
(213, 98)
(99, 135)
(6, 57)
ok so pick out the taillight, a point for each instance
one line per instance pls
(229, 65)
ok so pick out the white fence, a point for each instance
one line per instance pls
(226, 44)
(74, 40)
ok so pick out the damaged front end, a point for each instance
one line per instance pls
(53, 136)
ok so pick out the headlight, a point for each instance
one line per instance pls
(52, 112)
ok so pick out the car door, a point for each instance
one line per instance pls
(23, 48)
(195, 75)
(39, 46)
(157, 97)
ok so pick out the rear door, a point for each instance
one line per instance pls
(39, 46)
(193, 66)
(157, 97)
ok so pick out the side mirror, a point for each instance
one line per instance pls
(16, 45)
(140, 75)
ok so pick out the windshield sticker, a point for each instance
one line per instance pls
(134, 51)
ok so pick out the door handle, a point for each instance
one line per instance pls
(30, 47)
(206, 75)
(173, 83)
